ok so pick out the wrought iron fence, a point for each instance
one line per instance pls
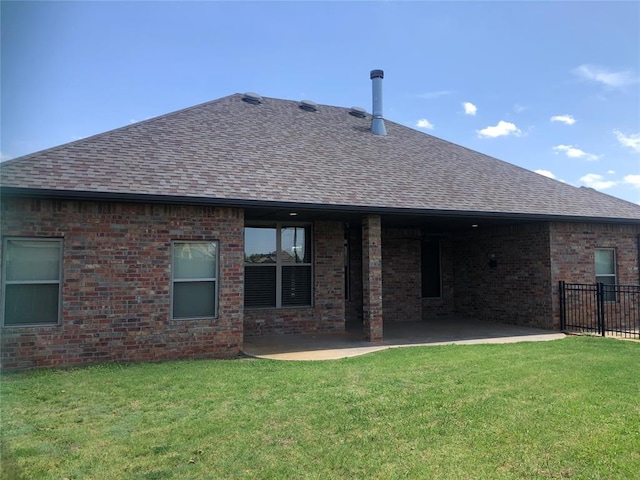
(612, 310)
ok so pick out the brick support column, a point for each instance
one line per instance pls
(372, 278)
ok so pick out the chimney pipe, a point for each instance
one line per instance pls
(377, 123)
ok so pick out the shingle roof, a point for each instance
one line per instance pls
(229, 150)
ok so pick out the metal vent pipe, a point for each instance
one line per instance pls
(377, 122)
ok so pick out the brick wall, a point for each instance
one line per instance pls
(518, 289)
(328, 311)
(116, 285)
(401, 278)
(401, 275)
(372, 306)
(573, 254)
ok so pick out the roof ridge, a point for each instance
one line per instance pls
(298, 102)
(513, 165)
(117, 129)
(591, 190)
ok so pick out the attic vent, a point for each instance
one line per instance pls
(309, 106)
(358, 112)
(252, 98)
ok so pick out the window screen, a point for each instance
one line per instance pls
(195, 279)
(606, 271)
(32, 278)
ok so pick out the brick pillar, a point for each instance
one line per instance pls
(372, 278)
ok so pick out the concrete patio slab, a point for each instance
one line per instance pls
(450, 331)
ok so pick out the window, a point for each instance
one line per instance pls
(277, 269)
(194, 280)
(31, 281)
(431, 283)
(606, 271)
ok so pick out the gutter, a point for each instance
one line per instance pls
(18, 192)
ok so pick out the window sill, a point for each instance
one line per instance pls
(193, 319)
(288, 307)
(32, 325)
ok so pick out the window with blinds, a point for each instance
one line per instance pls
(278, 268)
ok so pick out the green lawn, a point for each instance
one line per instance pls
(562, 409)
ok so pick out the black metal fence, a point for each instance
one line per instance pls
(612, 310)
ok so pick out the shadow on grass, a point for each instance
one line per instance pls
(9, 469)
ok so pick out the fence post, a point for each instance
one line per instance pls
(563, 320)
(600, 307)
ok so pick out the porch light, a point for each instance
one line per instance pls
(475, 225)
(293, 214)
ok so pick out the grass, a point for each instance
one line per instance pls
(563, 409)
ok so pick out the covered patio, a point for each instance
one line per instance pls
(330, 346)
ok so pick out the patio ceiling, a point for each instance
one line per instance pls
(436, 222)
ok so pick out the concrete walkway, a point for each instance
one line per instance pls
(330, 346)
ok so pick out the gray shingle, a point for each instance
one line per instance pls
(230, 150)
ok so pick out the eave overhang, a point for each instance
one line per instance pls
(20, 192)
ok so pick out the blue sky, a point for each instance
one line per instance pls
(552, 87)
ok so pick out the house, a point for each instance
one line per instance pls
(177, 236)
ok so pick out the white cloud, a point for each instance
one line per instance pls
(566, 119)
(632, 141)
(633, 180)
(503, 128)
(611, 172)
(436, 94)
(573, 152)
(4, 156)
(602, 75)
(519, 108)
(424, 123)
(546, 173)
(596, 181)
(469, 108)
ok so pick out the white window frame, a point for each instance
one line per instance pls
(609, 294)
(279, 264)
(5, 282)
(215, 280)
(615, 270)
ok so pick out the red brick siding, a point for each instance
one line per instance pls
(401, 275)
(328, 311)
(401, 278)
(573, 248)
(372, 307)
(518, 290)
(116, 285)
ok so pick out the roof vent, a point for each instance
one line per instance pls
(252, 98)
(309, 106)
(358, 112)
